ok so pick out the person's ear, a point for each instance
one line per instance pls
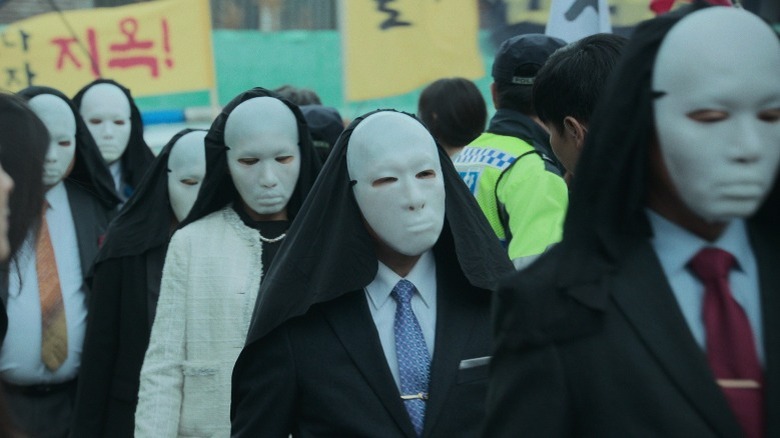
(575, 129)
(494, 94)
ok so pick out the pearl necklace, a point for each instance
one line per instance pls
(274, 240)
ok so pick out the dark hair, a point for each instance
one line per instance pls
(454, 111)
(299, 96)
(572, 79)
(515, 97)
(23, 149)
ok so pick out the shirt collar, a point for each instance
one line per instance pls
(57, 196)
(422, 275)
(676, 246)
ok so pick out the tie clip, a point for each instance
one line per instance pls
(738, 383)
(418, 396)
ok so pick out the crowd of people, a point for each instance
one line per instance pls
(596, 260)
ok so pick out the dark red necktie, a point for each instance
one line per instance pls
(731, 349)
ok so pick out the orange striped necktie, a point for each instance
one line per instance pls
(54, 333)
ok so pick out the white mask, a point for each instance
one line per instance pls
(399, 183)
(186, 169)
(264, 158)
(60, 121)
(106, 111)
(717, 123)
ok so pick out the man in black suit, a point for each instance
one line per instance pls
(374, 318)
(657, 315)
(46, 296)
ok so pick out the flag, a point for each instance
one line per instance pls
(571, 20)
(152, 48)
(392, 47)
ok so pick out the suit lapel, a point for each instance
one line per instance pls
(454, 322)
(87, 228)
(363, 346)
(767, 258)
(642, 293)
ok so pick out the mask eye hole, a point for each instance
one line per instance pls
(383, 181)
(426, 174)
(64, 143)
(189, 181)
(770, 115)
(248, 161)
(119, 122)
(286, 159)
(708, 116)
(95, 121)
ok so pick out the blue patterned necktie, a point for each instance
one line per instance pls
(412, 354)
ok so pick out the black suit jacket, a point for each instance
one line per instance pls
(90, 219)
(124, 296)
(633, 371)
(325, 373)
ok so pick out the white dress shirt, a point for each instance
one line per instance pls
(382, 305)
(676, 246)
(117, 171)
(20, 357)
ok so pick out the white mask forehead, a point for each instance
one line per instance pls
(386, 135)
(55, 113)
(106, 110)
(189, 154)
(60, 121)
(263, 155)
(107, 100)
(258, 123)
(718, 72)
(694, 49)
(399, 182)
(186, 170)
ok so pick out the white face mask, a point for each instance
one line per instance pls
(399, 183)
(186, 169)
(264, 159)
(718, 122)
(106, 111)
(60, 121)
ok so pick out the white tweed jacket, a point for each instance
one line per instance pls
(209, 286)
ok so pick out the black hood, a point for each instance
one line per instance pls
(146, 219)
(137, 157)
(606, 215)
(218, 189)
(89, 170)
(328, 251)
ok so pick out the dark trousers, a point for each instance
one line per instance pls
(41, 411)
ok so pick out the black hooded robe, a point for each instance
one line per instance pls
(313, 364)
(590, 340)
(125, 287)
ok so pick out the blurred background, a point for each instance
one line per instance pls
(271, 43)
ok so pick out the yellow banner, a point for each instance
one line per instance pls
(392, 47)
(156, 47)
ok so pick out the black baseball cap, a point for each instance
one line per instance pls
(520, 57)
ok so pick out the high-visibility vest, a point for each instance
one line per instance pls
(485, 162)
